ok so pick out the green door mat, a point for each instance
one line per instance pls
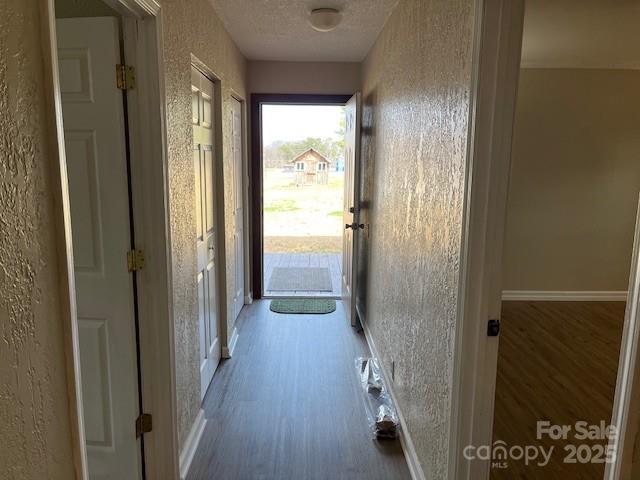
(303, 305)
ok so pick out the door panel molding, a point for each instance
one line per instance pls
(98, 179)
(219, 212)
(207, 199)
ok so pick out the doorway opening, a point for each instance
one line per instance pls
(569, 234)
(102, 67)
(302, 178)
(98, 159)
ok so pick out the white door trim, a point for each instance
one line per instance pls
(496, 62)
(625, 416)
(147, 127)
(142, 25)
(62, 219)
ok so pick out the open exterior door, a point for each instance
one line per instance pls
(351, 211)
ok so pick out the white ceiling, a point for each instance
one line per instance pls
(278, 29)
(582, 33)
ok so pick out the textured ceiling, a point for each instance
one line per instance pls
(582, 33)
(278, 29)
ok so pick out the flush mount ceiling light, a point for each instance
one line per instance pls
(324, 19)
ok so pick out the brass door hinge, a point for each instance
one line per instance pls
(125, 77)
(144, 424)
(135, 260)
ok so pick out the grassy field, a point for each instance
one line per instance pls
(302, 244)
(302, 219)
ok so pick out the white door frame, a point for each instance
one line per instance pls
(496, 66)
(142, 32)
(627, 398)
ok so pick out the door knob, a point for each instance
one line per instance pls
(353, 226)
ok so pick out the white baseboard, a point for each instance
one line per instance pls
(562, 296)
(405, 439)
(227, 352)
(191, 444)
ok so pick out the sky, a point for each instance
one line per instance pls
(297, 122)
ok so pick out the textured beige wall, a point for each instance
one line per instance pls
(192, 27)
(575, 180)
(304, 77)
(35, 438)
(416, 93)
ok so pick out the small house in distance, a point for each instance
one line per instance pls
(311, 168)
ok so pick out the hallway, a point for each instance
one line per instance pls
(134, 180)
(288, 405)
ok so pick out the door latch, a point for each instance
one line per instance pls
(493, 328)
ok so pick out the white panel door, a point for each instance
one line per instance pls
(351, 211)
(205, 201)
(88, 50)
(238, 206)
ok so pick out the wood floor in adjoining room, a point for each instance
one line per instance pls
(289, 405)
(557, 361)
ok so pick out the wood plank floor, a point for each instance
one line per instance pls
(288, 405)
(332, 261)
(557, 362)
